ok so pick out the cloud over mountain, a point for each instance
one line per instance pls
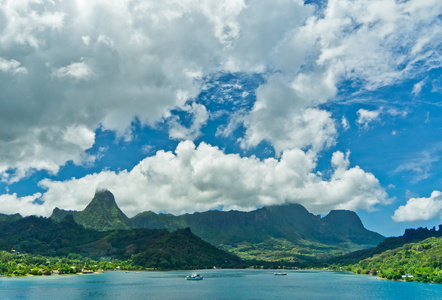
(202, 178)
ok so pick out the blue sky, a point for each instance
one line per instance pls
(182, 106)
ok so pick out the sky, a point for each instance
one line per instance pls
(180, 106)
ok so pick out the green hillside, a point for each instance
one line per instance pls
(420, 261)
(410, 236)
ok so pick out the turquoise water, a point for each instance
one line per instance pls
(217, 284)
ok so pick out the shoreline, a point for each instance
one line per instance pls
(244, 269)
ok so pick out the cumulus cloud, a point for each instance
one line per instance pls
(140, 56)
(282, 116)
(352, 40)
(420, 209)
(11, 204)
(201, 178)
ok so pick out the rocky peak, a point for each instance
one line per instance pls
(103, 213)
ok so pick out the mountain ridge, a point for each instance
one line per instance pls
(285, 231)
(289, 225)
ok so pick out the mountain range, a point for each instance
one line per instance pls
(287, 231)
(147, 248)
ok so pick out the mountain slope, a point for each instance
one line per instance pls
(103, 213)
(420, 261)
(410, 236)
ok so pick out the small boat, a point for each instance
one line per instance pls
(194, 276)
(280, 273)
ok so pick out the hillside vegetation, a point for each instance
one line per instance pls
(410, 236)
(421, 261)
(145, 248)
(18, 264)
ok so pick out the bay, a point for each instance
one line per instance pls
(217, 284)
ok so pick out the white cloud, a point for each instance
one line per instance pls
(45, 149)
(78, 70)
(86, 40)
(80, 135)
(11, 204)
(204, 177)
(345, 124)
(11, 66)
(199, 119)
(353, 40)
(420, 209)
(27, 24)
(417, 87)
(281, 115)
(365, 117)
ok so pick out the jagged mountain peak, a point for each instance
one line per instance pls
(102, 213)
(103, 198)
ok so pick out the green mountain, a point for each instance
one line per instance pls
(276, 232)
(153, 248)
(410, 236)
(102, 213)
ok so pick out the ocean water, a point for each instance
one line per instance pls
(217, 284)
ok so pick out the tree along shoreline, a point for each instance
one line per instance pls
(415, 262)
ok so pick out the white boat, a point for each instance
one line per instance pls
(280, 273)
(194, 276)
